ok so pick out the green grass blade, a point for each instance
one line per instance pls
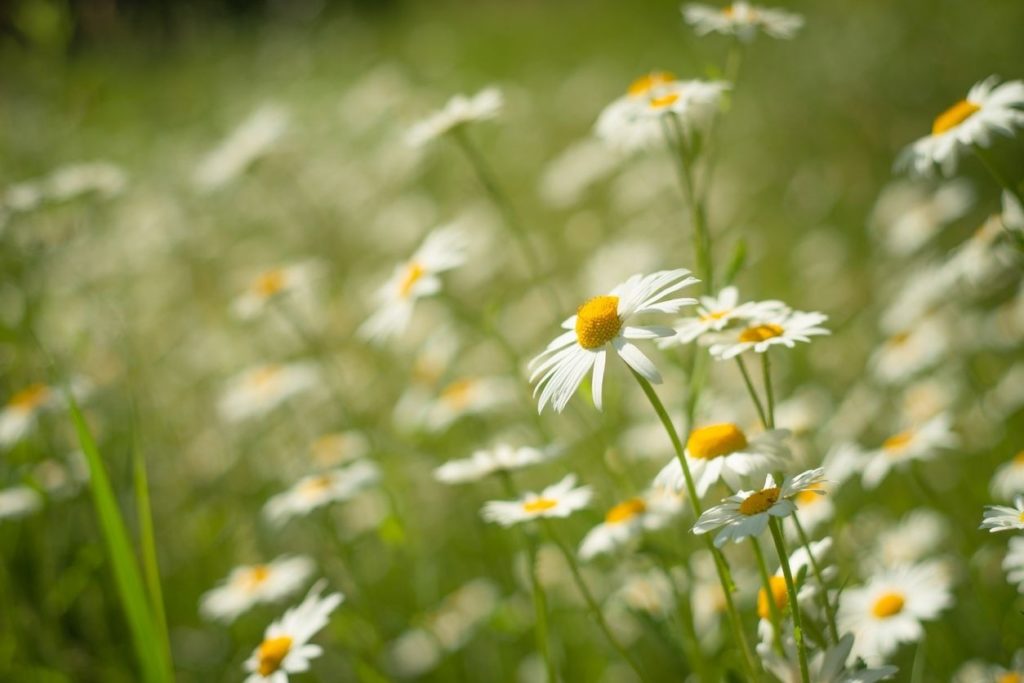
(153, 660)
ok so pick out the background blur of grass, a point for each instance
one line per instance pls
(133, 293)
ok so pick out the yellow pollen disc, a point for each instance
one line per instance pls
(897, 443)
(458, 393)
(756, 503)
(664, 101)
(269, 283)
(271, 653)
(954, 116)
(729, 12)
(263, 377)
(713, 315)
(1019, 459)
(414, 271)
(647, 82)
(1010, 677)
(899, 339)
(708, 443)
(760, 333)
(29, 398)
(806, 498)
(256, 576)
(779, 595)
(316, 485)
(1020, 517)
(625, 511)
(888, 605)
(539, 505)
(597, 321)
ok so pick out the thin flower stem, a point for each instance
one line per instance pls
(830, 616)
(680, 151)
(766, 581)
(751, 391)
(766, 372)
(691, 644)
(540, 601)
(721, 566)
(1000, 177)
(595, 608)
(794, 606)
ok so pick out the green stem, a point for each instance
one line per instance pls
(751, 391)
(766, 581)
(676, 140)
(721, 566)
(595, 608)
(691, 644)
(794, 606)
(766, 372)
(830, 616)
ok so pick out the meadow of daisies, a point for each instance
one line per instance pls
(512, 342)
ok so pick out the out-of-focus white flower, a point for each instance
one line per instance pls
(715, 313)
(918, 535)
(601, 326)
(977, 671)
(723, 452)
(273, 284)
(317, 490)
(760, 335)
(100, 178)
(62, 478)
(983, 256)
(443, 249)
(629, 519)
(908, 214)
(568, 176)
(1003, 518)
(920, 292)
(989, 108)
(927, 397)
(1013, 563)
(907, 353)
(339, 448)
(558, 500)
(247, 586)
(890, 608)
(467, 396)
(1013, 212)
(649, 592)
(812, 509)
(1008, 481)
(258, 390)
(915, 443)
(482, 463)
(458, 111)
(22, 410)
(743, 20)
(251, 140)
(286, 648)
(747, 513)
(18, 501)
(654, 104)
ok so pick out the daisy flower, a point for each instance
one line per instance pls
(270, 285)
(826, 666)
(1013, 562)
(918, 535)
(907, 353)
(338, 448)
(250, 585)
(443, 249)
(467, 396)
(1008, 480)
(558, 500)
(989, 108)
(916, 443)
(724, 452)
(458, 111)
(743, 20)
(812, 510)
(260, 389)
(286, 648)
(747, 512)
(761, 334)
(18, 501)
(501, 458)
(252, 139)
(318, 490)
(628, 519)
(650, 592)
(22, 410)
(601, 325)
(977, 671)
(890, 608)
(635, 120)
(1003, 518)
(715, 313)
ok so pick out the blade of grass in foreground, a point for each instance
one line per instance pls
(151, 654)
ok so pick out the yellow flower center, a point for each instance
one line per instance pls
(664, 101)
(899, 339)
(714, 315)
(458, 394)
(315, 486)
(760, 333)
(888, 605)
(708, 443)
(255, 577)
(647, 82)
(538, 505)
(1019, 459)
(758, 502)
(897, 443)
(1020, 517)
(413, 272)
(954, 116)
(625, 511)
(29, 398)
(808, 497)
(271, 653)
(269, 283)
(597, 321)
(1010, 677)
(779, 595)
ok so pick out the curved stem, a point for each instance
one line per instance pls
(830, 616)
(750, 390)
(774, 612)
(794, 606)
(680, 151)
(766, 372)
